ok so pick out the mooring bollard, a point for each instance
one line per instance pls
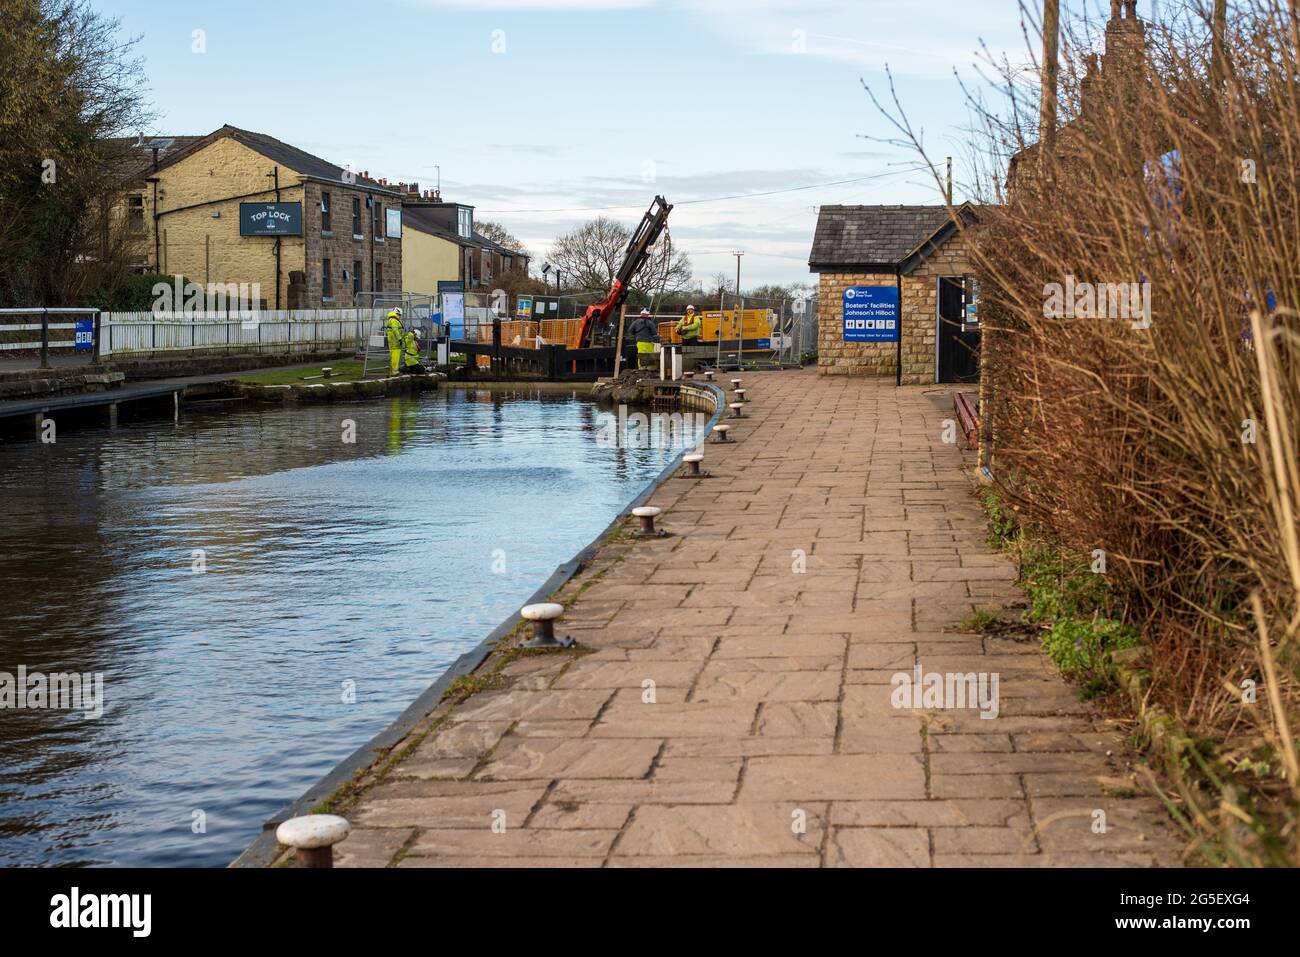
(327, 372)
(735, 383)
(740, 395)
(737, 410)
(708, 377)
(647, 514)
(721, 432)
(543, 617)
(693, 461)
(313, 837)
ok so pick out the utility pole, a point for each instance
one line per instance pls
(1220, 30)
(949, 191)
(738, 253)
(1051, 74)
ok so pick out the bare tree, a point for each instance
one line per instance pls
(64, 156)
(499, 235)
(590, 257)
(721, 284)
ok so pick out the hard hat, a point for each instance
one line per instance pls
(690, 308)
(645, 312)
(398, 310)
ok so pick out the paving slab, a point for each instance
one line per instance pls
(732, 701)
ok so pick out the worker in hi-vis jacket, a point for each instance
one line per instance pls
(646, 334)
(411, 364)
(690, 326)
(395, 335)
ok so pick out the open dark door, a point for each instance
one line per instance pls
(958, 340)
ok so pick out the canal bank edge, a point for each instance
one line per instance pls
(265, 849)
(331, 391)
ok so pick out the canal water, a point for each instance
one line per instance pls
(262, 596)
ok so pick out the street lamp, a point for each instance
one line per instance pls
(546, 269)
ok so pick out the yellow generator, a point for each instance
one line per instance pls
(757, 329)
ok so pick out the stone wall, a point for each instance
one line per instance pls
(834, 355)
(919, 305)
(344, 249)
(200, 239)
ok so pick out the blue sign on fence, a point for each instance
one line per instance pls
(85, 335)
(871, 314)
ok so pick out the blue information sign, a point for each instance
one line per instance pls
(85, 335)
(871, 314)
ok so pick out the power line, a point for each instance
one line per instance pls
(713, 199)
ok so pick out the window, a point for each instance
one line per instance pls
(379, 277)
(356, 277)
(487, 266)
(356, 217)
(135, 215)
(464, 221)
(325, 226)
(326, 283)
(378, 224)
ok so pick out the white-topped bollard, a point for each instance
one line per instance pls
(327, 372)
(647, 514)
(708, 377)
(740, 395)
(693, 461)
(313, 837)
(543, 617)
(721, 431)
(735, 383)
(737, 410)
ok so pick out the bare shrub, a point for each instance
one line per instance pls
(1172, 446)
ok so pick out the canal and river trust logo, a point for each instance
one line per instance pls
(37, 691)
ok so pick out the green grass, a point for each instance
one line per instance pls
(345, 370)
(467, 686)
(1075, 607)
(981, 619)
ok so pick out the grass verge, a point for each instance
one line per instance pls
(1071, 601)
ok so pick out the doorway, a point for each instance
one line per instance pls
(957, 342)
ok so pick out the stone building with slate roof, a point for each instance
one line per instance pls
(184, 213)
(919, 252)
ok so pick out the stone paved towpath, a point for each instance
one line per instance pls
(771, 739)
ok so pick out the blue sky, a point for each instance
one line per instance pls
(538, 110)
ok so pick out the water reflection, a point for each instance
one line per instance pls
(234, 576)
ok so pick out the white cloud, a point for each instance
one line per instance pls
(869, 33)
(540, 5)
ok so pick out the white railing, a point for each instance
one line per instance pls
(279, 331)
(42, 328)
